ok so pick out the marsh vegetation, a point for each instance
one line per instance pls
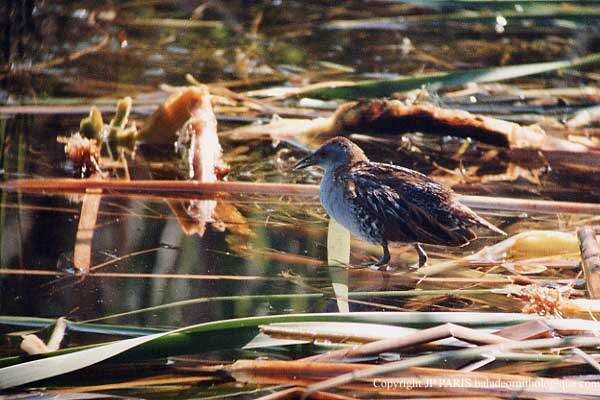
(156, 242)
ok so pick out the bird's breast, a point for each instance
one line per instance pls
(338, 206)
(331, 194)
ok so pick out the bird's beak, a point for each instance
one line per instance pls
(306, 162)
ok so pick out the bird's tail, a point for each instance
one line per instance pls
(480, 220)
(489, 225)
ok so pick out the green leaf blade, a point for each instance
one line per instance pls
(381, 88)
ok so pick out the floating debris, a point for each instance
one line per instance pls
(169, 118)
(541, 300)
(198, 138)
(83, 153)
(32, 344)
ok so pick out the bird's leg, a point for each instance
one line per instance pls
(384, 261)
(422, 255)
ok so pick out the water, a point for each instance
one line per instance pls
(39, 231)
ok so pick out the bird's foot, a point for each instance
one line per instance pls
(416, 266)
(377, 266)
(383, 268)
(383, 264)
(422, 257)
(374, 266)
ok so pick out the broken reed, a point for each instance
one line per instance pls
(158, 187)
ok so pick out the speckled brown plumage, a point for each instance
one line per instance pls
(384, 203)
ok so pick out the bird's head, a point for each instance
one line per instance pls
(334, 153)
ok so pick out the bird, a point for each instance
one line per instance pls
(385, 203)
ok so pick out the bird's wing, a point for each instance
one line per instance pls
(413, 207)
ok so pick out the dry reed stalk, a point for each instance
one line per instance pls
(284, 332)
(296, 392)
(411, 382)
(161, 187)
(223, 212)
(551, 386)
(59, 185)
(41, 66)
(289, 258)
(414, 339)
(529, 368)
(298, 373)
(573, 327)
(40, 109)
(82, 254)
(136, 383)
(184, 23)
(526, 330)
(245, 82)
(588, 160)
(587, 358)
(54, 273)
(585, 92)
(279, 129)
(529, 205)
(290, 393)
(382, 279)
(590, 260)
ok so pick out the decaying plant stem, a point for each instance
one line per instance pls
(280, 189)
(463, 354)
(411, 381)
(295, 392)
(82, 254)
(393, 117)
(590, 260)
(31, 344)
(382, 116)
(161, 187)
(527, 145)
(41, 66)
(415, 339)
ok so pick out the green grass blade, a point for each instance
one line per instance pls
(541, 14)
(494, 4)
(104, 329)
(31, 371)
(245, 298)
(379, 88)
